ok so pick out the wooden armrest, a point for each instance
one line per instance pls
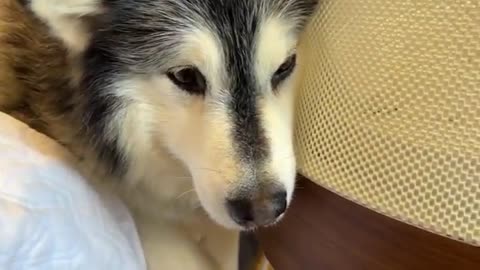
(324, 231)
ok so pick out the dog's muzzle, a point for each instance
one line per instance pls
(258, 207)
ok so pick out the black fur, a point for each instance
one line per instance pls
(238, 34)
(139, 37)
(101, 107)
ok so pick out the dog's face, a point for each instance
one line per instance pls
(213, 82)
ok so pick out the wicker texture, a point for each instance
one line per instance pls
(389, 113)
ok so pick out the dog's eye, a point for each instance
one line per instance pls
(189, 79)
(284, 70)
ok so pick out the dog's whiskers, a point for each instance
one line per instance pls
(184, 194)
(181, 177)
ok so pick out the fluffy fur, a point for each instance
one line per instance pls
(93, 75)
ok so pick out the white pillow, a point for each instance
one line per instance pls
(50, 218)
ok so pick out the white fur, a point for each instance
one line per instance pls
(63, 17)
(277, 108)
(180, 148)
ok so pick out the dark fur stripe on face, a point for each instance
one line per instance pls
(237, 35)
(139, 37)
(236, 24)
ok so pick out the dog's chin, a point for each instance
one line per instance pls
(223, 220)
(228, 223)
(254, 227)
(216, 213)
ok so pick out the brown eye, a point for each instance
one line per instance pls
(189, 79)
(284, 70)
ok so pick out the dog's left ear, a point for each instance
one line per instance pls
(69, 20)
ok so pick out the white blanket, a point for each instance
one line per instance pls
(50, 218)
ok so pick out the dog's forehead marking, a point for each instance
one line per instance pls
(237, 28)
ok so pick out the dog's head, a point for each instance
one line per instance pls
(209, 80)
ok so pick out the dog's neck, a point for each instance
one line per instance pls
(162, 188)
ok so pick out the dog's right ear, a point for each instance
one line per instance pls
(68, 20)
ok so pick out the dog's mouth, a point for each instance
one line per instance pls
(252, 227)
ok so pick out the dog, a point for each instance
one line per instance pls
(184, 108)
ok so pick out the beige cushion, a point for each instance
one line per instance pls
(389, 113)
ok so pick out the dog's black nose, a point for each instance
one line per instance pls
(241, 211)
(280, 203)
(252, 212)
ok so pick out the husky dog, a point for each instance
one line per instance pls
(182, 107)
